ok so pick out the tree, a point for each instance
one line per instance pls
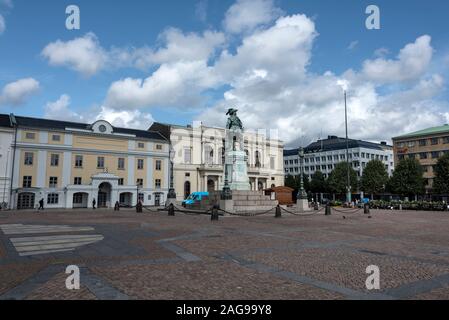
(338, 179)
(375, 177)
(318, 184)
(408, 178)
(294, 182)
(441, 181)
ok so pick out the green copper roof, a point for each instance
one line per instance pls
(426, 132)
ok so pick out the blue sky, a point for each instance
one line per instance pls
(336, 47)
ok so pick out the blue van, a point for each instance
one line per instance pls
(195, 197)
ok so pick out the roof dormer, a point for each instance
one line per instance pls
(102, 127)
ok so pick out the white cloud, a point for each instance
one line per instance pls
(178, 84)
(60, 110)
(84, 54)
(411, 63)
(245, 15)
(2, 24)
(16, 93)
(126, 119)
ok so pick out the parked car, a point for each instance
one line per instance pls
(195, 197)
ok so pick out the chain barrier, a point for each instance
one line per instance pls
(248, 214)
(348, 211)
(303, 214)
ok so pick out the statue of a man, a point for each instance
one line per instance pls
(233, 121)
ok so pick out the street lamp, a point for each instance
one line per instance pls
(301, 192)
(171, 191)
(348, 181)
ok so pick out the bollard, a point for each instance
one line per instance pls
(171, 210)
(328, 210)
(214, 215)
(278, 212)
(366, 208)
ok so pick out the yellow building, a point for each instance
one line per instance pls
(70, 164)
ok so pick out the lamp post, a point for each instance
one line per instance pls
(301, 192)
(348, 181)
(171, 197)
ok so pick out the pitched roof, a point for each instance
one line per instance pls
(426, 132)
(62, 125)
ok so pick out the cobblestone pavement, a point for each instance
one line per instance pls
(126, 255)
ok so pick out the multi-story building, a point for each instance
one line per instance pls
(6, 138)
(70, 164)
(323, 155)
(426, 146)
(199, 158)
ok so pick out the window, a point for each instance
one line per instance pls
(78, 198)
(187, 156)
(141, 197)
(291, 162)
(141, 145)
(77, 181)
(121, 182)
(100, 162)
(30, 135)
(435, 155)
(28, 158)
(422, 142)
(188, 174)
(54, 160)
(53, 198)
(157, 183)
(423, 155)
(53, 183)
(139, 164)
(401, 157)
(317, 159)
(158, 147)
(78, 161)
(140, 182)
(56, 137)
(411, 144)
(158, 165)
(434, 141)
(27, 181)
(329, 158)
(102, 128)
(121, 163)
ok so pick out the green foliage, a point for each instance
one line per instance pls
(294, 182)
(441, 181)
(409, 205)
(375, 177)
(407, 178)
(338, 179)
(318, 184)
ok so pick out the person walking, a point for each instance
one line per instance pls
(41, 204)
(94, 202)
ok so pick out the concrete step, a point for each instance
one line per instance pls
(252, 209)
(256, 203)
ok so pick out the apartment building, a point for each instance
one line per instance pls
(426, 146)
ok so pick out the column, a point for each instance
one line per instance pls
(205, 182)
(256, 188)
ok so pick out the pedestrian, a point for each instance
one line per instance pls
(117, 206)
(94, 202)
(41, 204)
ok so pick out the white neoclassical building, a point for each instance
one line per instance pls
(199, 157)
(6, 139)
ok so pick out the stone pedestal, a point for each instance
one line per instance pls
(302, 205)
(227, 205)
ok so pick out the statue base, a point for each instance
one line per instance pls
(302, 205)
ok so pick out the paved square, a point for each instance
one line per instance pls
(126, 255)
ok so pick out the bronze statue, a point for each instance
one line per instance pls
(233, 121)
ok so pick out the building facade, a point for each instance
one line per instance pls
(70, 164)
(6, 139)
(323, 155)
(426, 146)
(199, 157)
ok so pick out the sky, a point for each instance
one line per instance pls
(282, 63)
